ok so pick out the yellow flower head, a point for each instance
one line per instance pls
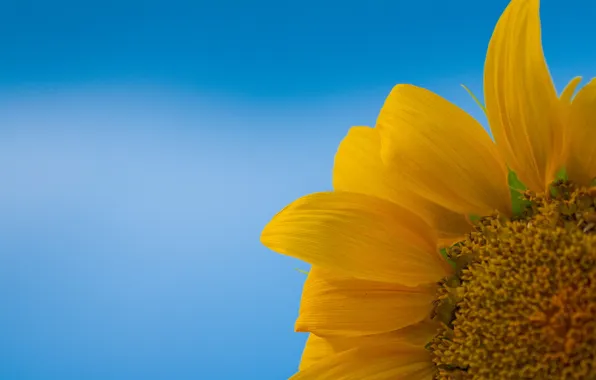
(429, 259)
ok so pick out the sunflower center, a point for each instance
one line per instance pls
(522, 304)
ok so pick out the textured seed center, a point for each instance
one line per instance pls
(522, 304)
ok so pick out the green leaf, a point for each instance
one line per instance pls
(301, 271)
(516, 187)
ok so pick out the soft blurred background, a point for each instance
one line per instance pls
(144, 145)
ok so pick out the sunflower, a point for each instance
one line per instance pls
(442, 254)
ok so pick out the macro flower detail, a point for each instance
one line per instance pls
(442, 254)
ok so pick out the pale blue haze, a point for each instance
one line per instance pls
(143, 146)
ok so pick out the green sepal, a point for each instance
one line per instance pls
(475, 98)
(516, 187)
(562, 174)
(444, 254)
(474, 218)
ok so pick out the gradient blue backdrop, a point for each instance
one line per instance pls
(144, 144)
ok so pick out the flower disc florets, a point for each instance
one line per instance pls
(522, 304)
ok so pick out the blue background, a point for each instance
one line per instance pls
(144, 145)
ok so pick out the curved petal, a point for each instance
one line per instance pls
(569, 90)
(318, 348)
(521, 100)
(419, 334)
(380, 358)
(358, 168)
(581, 164)
(337, 305)
(359, 235)
(442, 153)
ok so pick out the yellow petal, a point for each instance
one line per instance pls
(318, 348)
(442, 153)
(569, 90)
(420, 333)
(337, 305)
(358, 168)
(359, 235)
(521, 100)
(581, 164)
(381, 360)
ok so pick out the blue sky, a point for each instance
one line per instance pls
(145, 144)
